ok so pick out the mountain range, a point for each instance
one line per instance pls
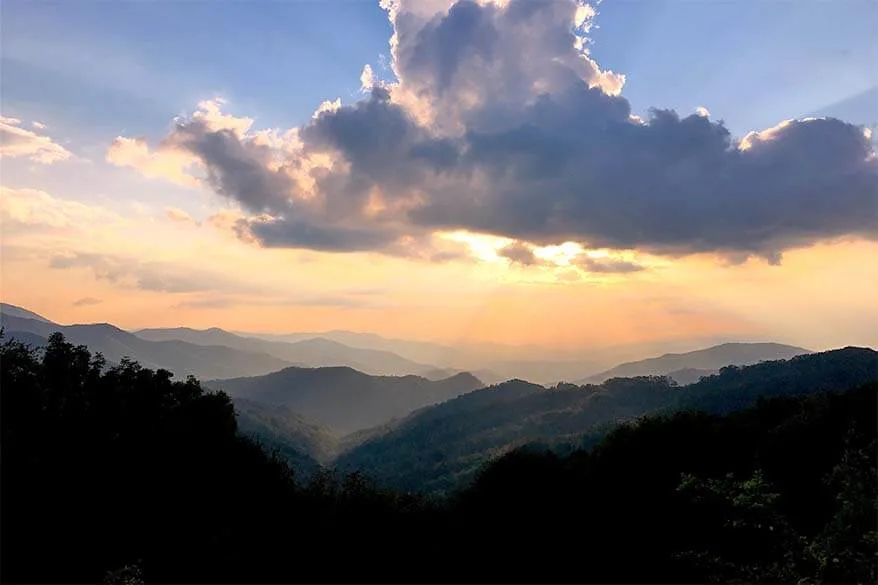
(210, 353)
(431, 427)
(343, 399)
(374, 354)
(179, 357)
(490, 362)
(440, 448)
(688, 367)
(308, 352)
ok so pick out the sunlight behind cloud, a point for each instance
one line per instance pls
(483, 247)
(491, 155)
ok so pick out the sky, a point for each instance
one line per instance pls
(516, 171)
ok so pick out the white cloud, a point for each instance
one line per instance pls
(210, 112)
(367, 78)
(36, 208)
(178, 215)
(16, 141)
(166, 161)
(768, 134)
(327, 106)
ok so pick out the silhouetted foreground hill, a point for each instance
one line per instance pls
(344, 399)
(440, 448)
(102, 466)
(709, 360)
(785, 492)
(687, 376)
(123, 475)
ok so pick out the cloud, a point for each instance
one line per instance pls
(179, 216)
(32, 208)
(327, 106)
(208, 303)
(86, 301)
(166, 162)
(520, 253)
(525, 255)
(155, 276)
(499, 122)
(225, 302)
(367, 79)
(607, 265)
(15, 141)
(38, 125)
(203, 289)
(568, 276)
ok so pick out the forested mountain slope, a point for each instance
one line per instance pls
(440, 448)
(708, 359)
(343, 399)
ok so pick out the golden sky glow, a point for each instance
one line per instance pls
(188, 215)
(152, 266)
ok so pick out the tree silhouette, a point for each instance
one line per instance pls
(122, 474)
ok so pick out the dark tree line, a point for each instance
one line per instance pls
(123, 474)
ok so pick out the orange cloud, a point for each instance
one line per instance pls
(15, 141)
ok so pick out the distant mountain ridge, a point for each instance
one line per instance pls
(210, 353)
(15, 311)
(416, 351)
(179, 357)
(710, 359)
(343, 399)
(308, 352)
(491, 363)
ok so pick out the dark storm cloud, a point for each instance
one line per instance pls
(235, 168)
(570, 171)
(501, 125)
(282, 233)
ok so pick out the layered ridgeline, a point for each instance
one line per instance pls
(210, 353)
(310, 352)
(182, 350)
(689, 367)
(179, 357)
(783, 492)
(343, 399)
(439, 449)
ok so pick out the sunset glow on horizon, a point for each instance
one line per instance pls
(458, 195)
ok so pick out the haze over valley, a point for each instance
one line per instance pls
(314, 400)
